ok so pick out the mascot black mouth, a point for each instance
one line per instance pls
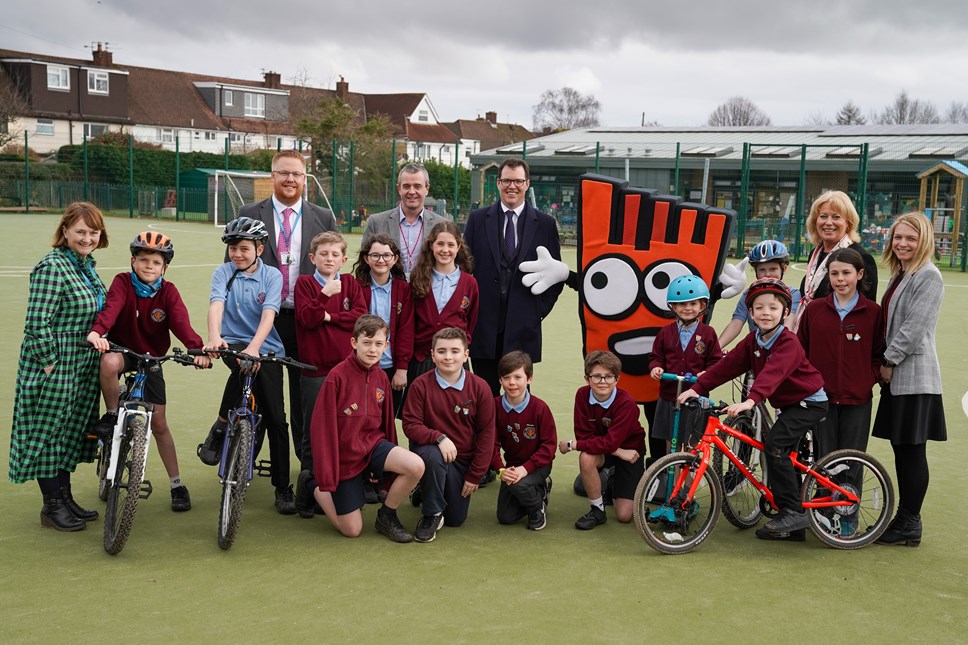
(634, 348)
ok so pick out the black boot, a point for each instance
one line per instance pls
(85, 514)
(904, 529)
(56, 515)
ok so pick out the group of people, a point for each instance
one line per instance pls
(391, 340)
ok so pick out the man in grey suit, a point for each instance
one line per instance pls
(292, 223)
(408, 223)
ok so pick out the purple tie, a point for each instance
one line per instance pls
(285, 235)
(509, 236)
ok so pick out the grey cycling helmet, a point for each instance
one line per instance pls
(245, 228)
(769, 251)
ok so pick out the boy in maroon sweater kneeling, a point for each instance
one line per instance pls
(449, 418)
(793, 386)
(354, 434)
(525, 429)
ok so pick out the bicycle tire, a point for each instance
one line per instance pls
(125, 491)
(848, 527)
(235, 483)
(103, 462)
(741, 500)
(687, 532)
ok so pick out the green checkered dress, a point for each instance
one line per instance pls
(51, 412)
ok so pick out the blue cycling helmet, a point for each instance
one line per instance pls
(769, 251)
(686, 288)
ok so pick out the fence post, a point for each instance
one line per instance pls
(524, 150)
(130, 176)
(26, 175)
(352, 178)
(801, 201)
(862, 185)
(744, 191)
(227, 152)
(332, 176)
(177, 177)
(676, 190)
(393, 165)
(84, 150)
(456, 176)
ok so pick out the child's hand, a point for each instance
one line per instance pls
(468, 489)
(399, 381)
(449, 451)
(624, 454)
(513, 474)
(203, 362)
(100, 344)
(656, 373)
(214, 344)
(688, 394)
(738, 408)
(564, 447)
(333, 287)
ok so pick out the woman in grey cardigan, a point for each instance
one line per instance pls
(910, 412)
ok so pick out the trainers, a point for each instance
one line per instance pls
(390, 526)
(591, 519)
(369, 492)
(285, 501)
(798, 535)
(104, 428)
(788, 521)
(488, 477)
(210, 450)
(305, 501)
(537, 519)
(416, 496)
(427, 527)
(180, 499)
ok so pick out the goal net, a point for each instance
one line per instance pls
(229, 190)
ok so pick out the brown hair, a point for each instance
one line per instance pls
(514, 163)
(423, 269)
(449, 333)
(361, 270)
(925, 230)
(86, 211)
(327, 237)
(511, 361)
(369, 325)
(839, 202)
(288, 154)
(606, 359)
(854, 259)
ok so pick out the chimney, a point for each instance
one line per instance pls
(490, 117)
(102, 57)
(273, 80)
(342, 88)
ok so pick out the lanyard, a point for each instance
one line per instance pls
(282, 228)
(406, 244)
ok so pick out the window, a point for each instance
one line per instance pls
(423, 115)
(210, 136)
(58, 78)
(255, 105)
(237, 137)
(92, 130)
(196, 135)
(229, 98)
(167, 135)
(97, 82)
(45, 126)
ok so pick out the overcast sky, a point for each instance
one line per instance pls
(673, 61)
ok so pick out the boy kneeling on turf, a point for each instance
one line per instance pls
(608, 433)
(354, 434)
(449, 418)
(525, 429)
(783, 375)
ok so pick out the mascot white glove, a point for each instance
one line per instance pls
(543, 273)
(733, 278)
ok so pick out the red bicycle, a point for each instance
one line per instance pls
(847, 494)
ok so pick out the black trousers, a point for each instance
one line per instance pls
(286, 326)
(517, 500)
(783, 438)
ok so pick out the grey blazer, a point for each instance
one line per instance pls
(388, 222)
(314, 220)
(912, 316)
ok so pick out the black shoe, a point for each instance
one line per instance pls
(85, 514)
(369, 492)
(488, 477)
(104, 428)
(788, 521)
(305, 501)
(904, 529)
(56, 515)
(416, 496)
(427, 527)
(181, 501)
(390, 526)
(210, 450)
(285, 501)
(797, 535)
(591, 519)
(537, 519)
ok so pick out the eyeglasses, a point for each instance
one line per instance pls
(516, 182)
(601, 378)
(376, 257)
(285, 174)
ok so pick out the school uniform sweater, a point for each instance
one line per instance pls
(701, 353)
(846, 352)
(401, 321)
(353, 413)
(782, 374)
(528, 438)
(466, 416)
(145, 325)
(601, 431)
(325, 344)
(460, 311)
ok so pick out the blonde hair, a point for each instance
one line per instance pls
(840, 202)
(288, 154)
(90, 214)
(327, 237)
(925, 230)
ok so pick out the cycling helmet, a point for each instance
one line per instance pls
(769, 251)
(153, 241)
(769, 285)
(245, 228)
(686, 288)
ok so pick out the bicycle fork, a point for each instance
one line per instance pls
(129, 410)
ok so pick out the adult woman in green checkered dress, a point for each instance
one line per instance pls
(57, 386)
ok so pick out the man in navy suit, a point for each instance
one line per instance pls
(501, 237)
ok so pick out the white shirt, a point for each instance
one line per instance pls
(295, 245)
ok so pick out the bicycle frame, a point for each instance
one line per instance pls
(132, 403)
(245, 410)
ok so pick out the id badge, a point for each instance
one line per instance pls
(286, 259)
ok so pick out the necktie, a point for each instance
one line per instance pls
(285, 235)
(509, 236)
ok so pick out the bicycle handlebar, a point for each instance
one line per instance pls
(688, 378)
(177, 354)
(270, 358)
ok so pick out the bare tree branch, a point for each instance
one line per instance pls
(738, 110)
(565, 109)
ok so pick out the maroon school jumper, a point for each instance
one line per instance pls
(145, 325)
(460, 311)
(325, 344)
(353, 414)
(701, 353)
(601, 431)
(465, 416)
(537, 436)
(401, 321)
(847, 352)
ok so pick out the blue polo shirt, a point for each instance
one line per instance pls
(251, 294)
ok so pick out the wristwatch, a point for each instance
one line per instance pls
(441, 438)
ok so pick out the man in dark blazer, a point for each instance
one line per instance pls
(509, 315)
(288, 251)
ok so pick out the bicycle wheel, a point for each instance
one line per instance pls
(851, 526)
(680, 525)
(741, 500)
(124, 492)
(103, 461)
(235, 483)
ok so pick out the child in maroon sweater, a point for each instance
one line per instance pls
(141, 312)
(449, 418)
(608, 433)
(793, 386)
(354, 434)
(525, 429)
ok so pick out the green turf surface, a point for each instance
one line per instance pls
(288, 579)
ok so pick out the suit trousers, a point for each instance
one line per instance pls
(286, 326)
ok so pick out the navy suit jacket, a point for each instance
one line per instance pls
(314, 220)
(525, 311)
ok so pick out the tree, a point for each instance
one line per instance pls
(565, 109)
(904, 109)
(850, 115)
(738, 110)
(816, 118)
(13, 105)
(442, 181)
(957, 113)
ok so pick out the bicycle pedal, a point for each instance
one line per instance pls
(263, 468)
(146, 490)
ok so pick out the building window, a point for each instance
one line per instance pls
(255, 105)
(210, 136)
(196, 135)
(167, 135)
(229, 99)
(92, 130)
(423, 115)
(237, 137)
(45, 126)
(97, 82)
(58, 78)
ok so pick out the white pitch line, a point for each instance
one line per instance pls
(964, 403)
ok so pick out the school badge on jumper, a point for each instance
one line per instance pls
(346, 303)
(465, 302)
(700, 346)
(158, 315)
(380, 394)
(348, 411)
(606, 421)
(530, 432)
(399, 308)
(261, 298)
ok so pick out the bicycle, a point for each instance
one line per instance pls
(121, 461)
(847, 494)
(236, 465)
